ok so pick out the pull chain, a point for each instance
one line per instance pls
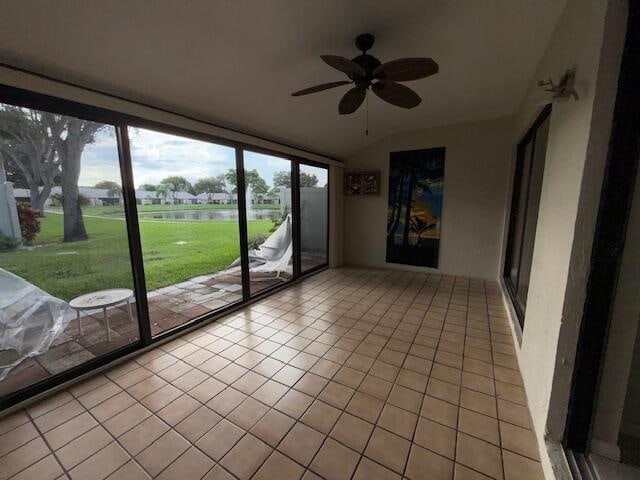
(366, 126)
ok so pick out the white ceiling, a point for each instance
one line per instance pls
(235, 62)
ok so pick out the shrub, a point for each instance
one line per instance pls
(256, 240)
(7, 243)
(278, 220)
(29, 222)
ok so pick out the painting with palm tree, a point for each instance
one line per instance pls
(415, 206)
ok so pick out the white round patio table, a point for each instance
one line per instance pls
(101, 300)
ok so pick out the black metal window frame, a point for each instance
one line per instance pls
(121, 121)
(528, 139)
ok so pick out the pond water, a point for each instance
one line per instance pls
(217, 214)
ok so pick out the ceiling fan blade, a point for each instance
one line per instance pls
(352, 100)
(396, 94)
(344, 65)
(406, 69)
(319, 88)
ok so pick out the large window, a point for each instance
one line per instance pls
(527, 187)
(188, 220)
(66, 282)
(314, 211)
(116, 232)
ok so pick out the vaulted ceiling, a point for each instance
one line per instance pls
(236, 62)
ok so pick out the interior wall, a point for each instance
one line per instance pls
(475, 185)
(631, 412)
(574, 164)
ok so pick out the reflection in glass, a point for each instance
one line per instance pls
(313, 215)
(66, 284)
(188, 217)
(270, 241)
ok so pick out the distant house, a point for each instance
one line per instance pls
(219, 198)
(97, 197)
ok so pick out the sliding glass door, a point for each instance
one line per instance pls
(188, 221)
(314, 213)
(66, 281)
(269, 207)
(527, 187)
(116, 232)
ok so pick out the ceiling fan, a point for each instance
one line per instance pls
(366, 71)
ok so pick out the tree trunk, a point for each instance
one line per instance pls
(407, 215)
(74, 228)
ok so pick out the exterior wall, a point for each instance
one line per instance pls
(475, 186)
(576, 153)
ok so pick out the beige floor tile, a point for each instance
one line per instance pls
(336, 394)
(161, 397)
(13, 421)
(46, 469)
(321, 416)
(22, 457)
(99, 395)
(112, 406)
(129, 471)
(478, 402)
(368, 470)
(464, 473)
(349, 376)
(58, 416)
(388, 449)
(101, 464)
(311, 384)
(246, 457)
(17, 437)
(179, 409)
(70, 430)
(294, 403)
(142, 435)
(335, 461)
(426, 465)
(479, 455)
(352, 431)
(220, 439)
(365, 406)
(59, 399)
(248, 413)
(517, 467)
(272, 427)
(436, 437)
(301, 443)
(376, 387)
(206, 390)
(127, 419)
(270, 392)
(278, 466)
(198, 423)
(157, 456)
(514, 413)
(519, 440)
(512, 393)
(190, 380)
(83, 447)
(406, 398)
(218, 473)
(479, 426)
(226, 401)
(399, 421)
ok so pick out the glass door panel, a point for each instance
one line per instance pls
(189, 228)
(314, 216)
(269, 220)
(66, 281)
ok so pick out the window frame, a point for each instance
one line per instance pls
(528, 139)
(121, 121)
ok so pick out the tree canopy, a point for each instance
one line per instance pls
(283, 179)
(217, 184)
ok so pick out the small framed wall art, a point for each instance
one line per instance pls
(362, 183)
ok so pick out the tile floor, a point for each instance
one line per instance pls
(352, 374)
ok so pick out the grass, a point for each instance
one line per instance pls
(66, 270)
(117, 211)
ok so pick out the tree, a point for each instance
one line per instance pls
(216, 184)
(72, 135)
(171, 185)
(283, 179)
(308, 179)
(251, 177)
(27, 146)
(114, 190)
(148, 187)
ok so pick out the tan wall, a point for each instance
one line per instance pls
(475, 186)
(577, 147)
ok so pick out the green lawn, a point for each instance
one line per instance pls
(119, 212)
(66, 270)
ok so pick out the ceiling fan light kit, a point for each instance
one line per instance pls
(367, 72)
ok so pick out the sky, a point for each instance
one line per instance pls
(158, 155)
